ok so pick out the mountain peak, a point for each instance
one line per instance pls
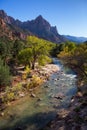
(39, 17)
(2, 11)
(41, 23)
(39, 27)
(2, 14)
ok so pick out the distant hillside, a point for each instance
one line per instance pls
(38, 27)
(75, 39)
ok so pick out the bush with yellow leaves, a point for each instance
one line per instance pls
(35, 82)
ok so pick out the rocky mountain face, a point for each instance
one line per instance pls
(9, 28)
(38, 27)
(10, 31)
(41, 28)
(5, 30)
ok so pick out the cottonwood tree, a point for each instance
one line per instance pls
(36, 48)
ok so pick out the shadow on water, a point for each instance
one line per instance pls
(34, 122)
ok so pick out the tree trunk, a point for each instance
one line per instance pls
(34, 61)
(33, 65)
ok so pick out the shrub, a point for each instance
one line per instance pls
(8, 97)
(36, 81)
(17, 88)
(4, 74)
(43, 60)
(27, 73)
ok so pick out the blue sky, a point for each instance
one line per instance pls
(70, 16)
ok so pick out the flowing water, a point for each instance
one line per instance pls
(31, 113)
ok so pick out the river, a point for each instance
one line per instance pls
(30, 113)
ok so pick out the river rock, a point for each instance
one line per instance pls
(59, 96)
(21, 94)
(79, 94)
(39, 99)
(55, 79)
(2, 114)
(46, 86)
(33, 95)
(72, 100)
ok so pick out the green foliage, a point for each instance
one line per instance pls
(9, 49)
(16, 88)
(57, 49)
(35, 82)
(11, 93)
(8, 97)
(63, 48)
(43, 60)
(37, 48)
(6, 50)
(17, 46)
(67, 48)
(70, 45)
(79, 59)
(25, 56)
(27, 73)
(75, 56)
(4, 74)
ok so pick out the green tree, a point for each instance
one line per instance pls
(57, 48)
(25, 57)
(6, 50)
(36, 48)
(75, 56)
(4, 74)
(67, 49)
(79, 59)
(17, 46)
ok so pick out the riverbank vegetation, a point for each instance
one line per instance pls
(20, 66)
(75, 56)
(75, 117)
(19, 59)
(21, 69)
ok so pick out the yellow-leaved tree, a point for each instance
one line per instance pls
(36, 49)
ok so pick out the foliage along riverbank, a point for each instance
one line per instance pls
(26, 85)
(75, 117)
(18, 71)
(36, 50)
